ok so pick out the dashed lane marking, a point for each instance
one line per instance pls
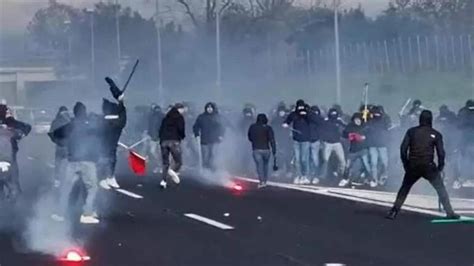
(130, 194)
(209, 221)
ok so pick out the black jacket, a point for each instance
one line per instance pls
(355, 134)
(466, 125)
(172, 126)
(7, 135)
(111, 127)
(21, 129)
(378, 131)
(419, 144)
(261, 135)
(301, 123)
(209, 127)
(154, 123)
(331, 130)
(282, 135)
(82, 137)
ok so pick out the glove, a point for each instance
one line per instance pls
(116, 92)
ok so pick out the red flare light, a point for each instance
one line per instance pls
(74, 256)
(238, 187)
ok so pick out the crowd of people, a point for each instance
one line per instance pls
(308, 144)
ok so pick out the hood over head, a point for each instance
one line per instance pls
(213, 105)
(262, 119)
(3, 111)
(80, 110)
(333, 114)
(426, 118)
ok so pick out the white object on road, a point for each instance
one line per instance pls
(174, 176)
(130, 194)
(226, 214)
(209, 221)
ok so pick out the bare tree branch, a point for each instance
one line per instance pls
(189, 12)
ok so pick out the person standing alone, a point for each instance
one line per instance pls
(262, 138)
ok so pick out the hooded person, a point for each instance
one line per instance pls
(21, 130)
(82, 138)
(282, 138)
(358, 157)
(60, 156)
(261, 135)
(466, 144)
(172, 132)
(209, 129)
(7, 137)
(300, 121)
(111, 125)
(154, 123)
(315, 126)
(378, 138)
(331, 137)
(417, 153)
(411, 117)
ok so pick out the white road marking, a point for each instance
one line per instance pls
(335, 264)
(130, 194)
(332, 193)
(209, 221)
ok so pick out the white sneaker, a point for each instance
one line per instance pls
(305, 181)
(86, 219)
(457, 185)
(163, 184)
(57, 218)
(344, 182)
(174, 176)
(104, 184)
(296, 181)
(373, 184)
(315, 181)
(113, 182)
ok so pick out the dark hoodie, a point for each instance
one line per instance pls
(261, 135)
(301, 119)
(355, 134)
(172, 127)
(81, 135)
(209, 126)
(248, 117)
(420, 143)
(21, 128)
(331, 129)
(112, 124)
(378, 129)
(154, 122)
(62, 118)
(466, 123)
(316, 124)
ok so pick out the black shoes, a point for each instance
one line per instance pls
(392, 214)
(453, 216)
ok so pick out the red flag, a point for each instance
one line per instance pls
(137, 163)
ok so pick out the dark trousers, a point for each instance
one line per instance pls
(429, 172)
(262, 159)
(173, 148)
(208, 153)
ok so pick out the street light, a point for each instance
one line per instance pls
(338, 59)
(218, 49)
(158, 47)
(117, 29)
(91, 12)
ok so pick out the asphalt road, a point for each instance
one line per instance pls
(274, 226)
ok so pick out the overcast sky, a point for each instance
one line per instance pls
(15, 14)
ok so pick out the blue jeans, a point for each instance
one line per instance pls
(301, 150)
(328, 150)
(262, 159)
(314, 151)
(376, 154)
(357, 162)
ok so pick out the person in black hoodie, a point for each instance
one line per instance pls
(210, 129)
(315, 143)
(466, 144)
(111, 124)
(282, 138)
(82, 137)
(300, 120)
(262, 138)
(417, 155)
(331, 136)
(172, 132)
(358, 157)
(377, 140)
(154, 122)
(22, 130)
(60, 156)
